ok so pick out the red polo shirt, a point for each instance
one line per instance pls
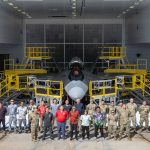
(42, 110)
(74, 116)
(61, 116)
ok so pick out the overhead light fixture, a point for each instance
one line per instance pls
(136, 3)
(131, 7)
(73, 7)
(23, 12)
(11, 4)
(19, 10)
(73, 0)
(141, 0)
(15, 7)
(5, 0)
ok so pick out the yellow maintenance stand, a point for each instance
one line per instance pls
(16, 77)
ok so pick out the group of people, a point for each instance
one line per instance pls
(77, 117)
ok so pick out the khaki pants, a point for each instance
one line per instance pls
(127, 129)
(34, 132)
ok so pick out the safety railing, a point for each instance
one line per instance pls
(112, 52)
(49, 88)
(38, 53)
(102, 88)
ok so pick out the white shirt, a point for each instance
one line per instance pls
(85, 119)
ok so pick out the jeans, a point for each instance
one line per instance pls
(20, 123)
(85, 128)
(74, 127)
(3, 123)
(61, 129)
(14, 120)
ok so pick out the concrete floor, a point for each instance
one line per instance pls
(23, 142)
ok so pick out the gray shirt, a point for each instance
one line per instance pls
(22, 111)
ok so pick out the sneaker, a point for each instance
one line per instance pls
(43, 139)
(71, 139)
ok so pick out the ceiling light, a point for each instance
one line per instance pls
(141, 0)
(5, 0)
(15, 7)
(73, 0)
(19, 10)
(74, 4)
(127, 10)
(11, 4)
(23, 12)
(131, 7)
(73, 7)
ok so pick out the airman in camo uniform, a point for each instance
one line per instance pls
(34, 118)
(112, 124)
(132, 107)
(124, 114)
(91, 108)
(144, 112)
(112, 107)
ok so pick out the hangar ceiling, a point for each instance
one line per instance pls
(74, 8)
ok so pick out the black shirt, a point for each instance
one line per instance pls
(67, 107)
(47, 119)
(3, 112)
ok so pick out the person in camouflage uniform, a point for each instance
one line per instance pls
(112, 107)
(104, 110)
(91, 108)
(30, 110)
(34, 118)
(112, 124)
(144, 112)
(124, 122)
(132, 107)
(118, 109)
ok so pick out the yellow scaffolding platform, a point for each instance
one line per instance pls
(38, 53)
(112, 53)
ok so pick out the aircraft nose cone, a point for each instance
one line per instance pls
(76, 89)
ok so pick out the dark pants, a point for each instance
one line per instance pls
(3, 123)
(99, 127)
(85, 128)
(73, 127)
(48, 128)
(61, 129)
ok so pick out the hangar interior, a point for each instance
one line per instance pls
(102, 33)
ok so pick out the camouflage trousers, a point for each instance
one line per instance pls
(142, 120)
(133, 120)
(112, 130)
(34, 132)
(125, 127)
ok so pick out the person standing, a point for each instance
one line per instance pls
(124, 122)
(112, 124)
(98, 121)
(112, 107)
(54, 107)
(67, 107)
(80, 108)
(85, 124)
(12, 113)
(144, 114)
(3, 112)
(91, 108)
(22, 111)
(48, 123)
(30, 110)
(132, 107)
(104, 110)
(34, 119)
(41, 110)
(74, 118)
(61, 117)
